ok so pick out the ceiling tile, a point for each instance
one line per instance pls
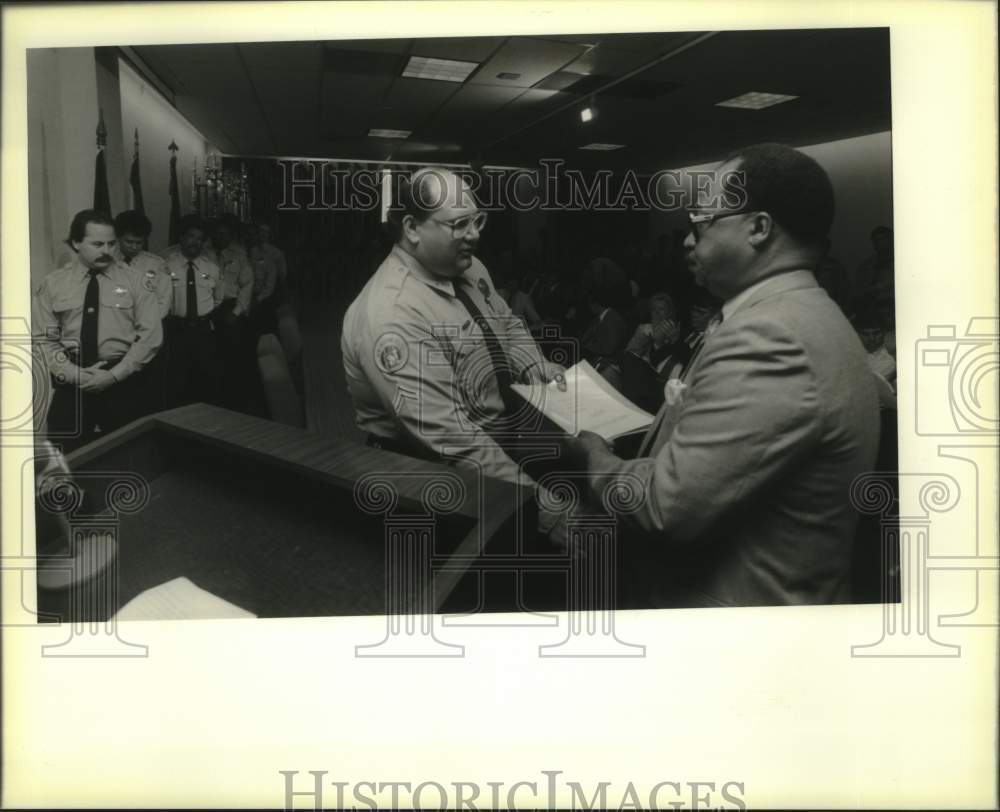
(532, 59)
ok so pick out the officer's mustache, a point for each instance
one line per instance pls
(105, 258)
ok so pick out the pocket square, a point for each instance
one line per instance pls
(674, 391)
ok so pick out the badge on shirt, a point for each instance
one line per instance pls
(120, 291)
(484, 289)
(149, 283)
(391, 353)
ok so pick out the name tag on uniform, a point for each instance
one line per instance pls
(120, 291)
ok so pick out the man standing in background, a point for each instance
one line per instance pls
(133, 229)
(98, 326)
(231, 317)
(192, 369)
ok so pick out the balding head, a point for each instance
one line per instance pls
(435, 219)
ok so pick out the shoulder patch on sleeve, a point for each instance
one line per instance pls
(391, 352)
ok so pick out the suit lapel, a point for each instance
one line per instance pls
(662, 427)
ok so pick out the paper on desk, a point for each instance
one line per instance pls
(589, 403)
(179, 599)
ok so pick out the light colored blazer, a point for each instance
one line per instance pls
(747, 473)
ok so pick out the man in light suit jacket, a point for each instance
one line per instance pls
(747, 468)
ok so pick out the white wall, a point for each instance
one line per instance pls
(62, 124)
(159, 123)
(860, 170)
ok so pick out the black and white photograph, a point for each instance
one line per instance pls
(446, 347)
(567, 336)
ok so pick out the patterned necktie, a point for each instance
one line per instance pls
(88, 327)
(191, 310)
(501, 366)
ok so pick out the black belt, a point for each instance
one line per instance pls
(184, 321)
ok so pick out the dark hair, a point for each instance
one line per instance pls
(133, 222)
(80, 222)
(413, 196)
(788, 185)
(189, 222)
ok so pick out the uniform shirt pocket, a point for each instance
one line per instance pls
(118, 298)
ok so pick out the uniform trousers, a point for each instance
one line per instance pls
(76, 417)
(193, 361)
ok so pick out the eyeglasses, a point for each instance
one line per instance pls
(461, 226)
(695, 219)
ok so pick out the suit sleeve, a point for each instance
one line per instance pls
(411, 371)
(751, 412)
(148, 333)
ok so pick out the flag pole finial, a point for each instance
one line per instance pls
(102, 131)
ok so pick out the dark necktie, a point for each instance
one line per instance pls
(191, 311)
(711, 327)
(88, 327)
(501, 366)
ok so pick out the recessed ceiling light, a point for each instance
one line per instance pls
(755, 100)
(587, 114)
(376, 132)
(603, 147)
(443, 70)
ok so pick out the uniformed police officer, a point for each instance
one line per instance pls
(98, 326)
(133, 229)
(236, 351)
(430, 348)
(269, 272)
(192, 369)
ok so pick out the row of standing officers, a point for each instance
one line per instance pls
(125, 332)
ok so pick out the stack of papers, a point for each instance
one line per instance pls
(589, 403)
(179, 599)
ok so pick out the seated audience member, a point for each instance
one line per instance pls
(98, 326)
(871, 331)
(601, 344)
(518, 301)
(653, 339)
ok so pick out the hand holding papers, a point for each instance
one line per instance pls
(589, 404)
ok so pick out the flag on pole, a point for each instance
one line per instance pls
(175, 195)
(102, 198)
(133, 178)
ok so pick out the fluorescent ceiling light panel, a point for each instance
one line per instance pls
(443, 70)
(603, 147)
(376, 132)
(587, 114)
(755, 100)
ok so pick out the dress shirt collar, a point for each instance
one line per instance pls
(438, 283)
(81, 271)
